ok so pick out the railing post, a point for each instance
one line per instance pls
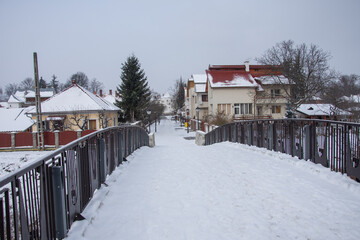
(250, 134)
(120, 153)
(57, 140)
(102, 160)
(13, 144)
(307, 145)
(34, 139)
(291, 137)
(271, 137)
(59, 202)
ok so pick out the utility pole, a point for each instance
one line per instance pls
(39, 125)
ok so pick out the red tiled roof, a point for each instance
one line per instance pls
(255, 70)
(221, 78)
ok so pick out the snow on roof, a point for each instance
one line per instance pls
(111, 99)
(352, 98)
(199, 78)
(31, 94)
(75, 98)
(230, 79)
(273, 79)
(14, 99)
(20, 95)
(320, 110)
(14, 120)
(166, 95)
(200, 88)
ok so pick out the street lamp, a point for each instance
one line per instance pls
(197, 109)
(187, 120)
(149, 112)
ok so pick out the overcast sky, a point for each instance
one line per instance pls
(170, 38)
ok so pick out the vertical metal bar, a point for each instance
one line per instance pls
(59, 202)
(44, 216)
(37, 205)
(15, 210)
(2, 230)
(23, 216)
(7, 211)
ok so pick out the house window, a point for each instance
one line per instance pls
(225, 108)
(58, 125)
(204, 98)
(242, 108)
(275, 93)
(92, 125)
(276, 109)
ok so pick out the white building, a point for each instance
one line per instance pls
(167, 101)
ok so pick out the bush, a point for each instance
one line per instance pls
(219, 119)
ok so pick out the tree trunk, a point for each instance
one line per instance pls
(132, 114)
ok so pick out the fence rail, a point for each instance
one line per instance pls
(335, 145)
(42, 200)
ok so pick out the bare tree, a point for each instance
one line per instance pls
(77, 119)
(27, 83)
(80, 79)
(304, 67)
(342, 93)
(95, 85)
(2, 96)
(156, 108)
(103, 119)
(55, 83)
(11, 89)
(179, 94)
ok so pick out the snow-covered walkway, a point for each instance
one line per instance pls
(178, 190)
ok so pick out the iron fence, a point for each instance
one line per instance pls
(335, 145)
(42, 200)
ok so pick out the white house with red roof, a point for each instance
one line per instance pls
(239, 91)
(77, 108)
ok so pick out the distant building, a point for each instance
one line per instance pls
(239, 91)
(322, 111)
(15, 120)
(27, 98)
(167, 101)
(76, 108)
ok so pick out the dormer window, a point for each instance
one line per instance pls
(275, 93)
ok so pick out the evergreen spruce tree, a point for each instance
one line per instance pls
(134, 90)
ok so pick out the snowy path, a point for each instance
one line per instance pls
(178, 190)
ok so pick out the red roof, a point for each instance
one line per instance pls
(221, 78)
(255, 70)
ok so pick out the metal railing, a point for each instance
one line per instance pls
(42, 200)
(335, 145)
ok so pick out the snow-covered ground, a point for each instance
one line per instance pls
(11, 161)
(178, 190)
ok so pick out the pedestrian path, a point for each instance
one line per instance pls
(178, 190)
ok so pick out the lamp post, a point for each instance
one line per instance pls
(197, 109)
(149, 112)
(187, 120)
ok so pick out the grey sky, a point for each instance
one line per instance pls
(171, 38)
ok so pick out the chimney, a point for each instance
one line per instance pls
(100, 93)
(110, 92)
(94, 92)
(73, 81)
(116, 94)
(247, 66)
